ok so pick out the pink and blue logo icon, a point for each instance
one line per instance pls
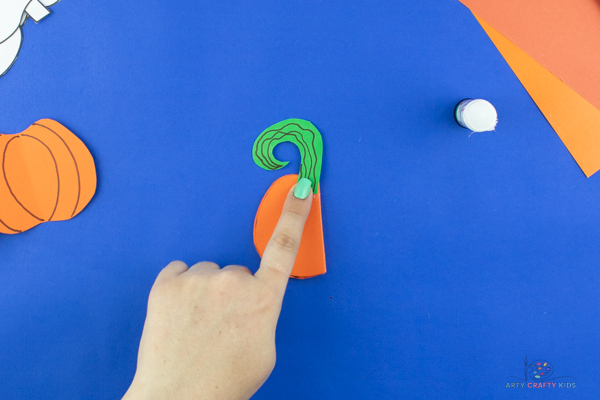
(540, 370)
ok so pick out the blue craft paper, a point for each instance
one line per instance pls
(450, 257)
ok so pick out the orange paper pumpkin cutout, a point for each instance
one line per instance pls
(46, 174)
(311, 256)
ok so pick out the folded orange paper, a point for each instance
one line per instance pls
(575, 120)
(561, 35)
(311, 256)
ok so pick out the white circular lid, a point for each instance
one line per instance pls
(480, 116)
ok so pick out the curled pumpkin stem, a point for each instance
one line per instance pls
(304, 135)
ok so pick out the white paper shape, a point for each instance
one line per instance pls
(37, 11)
(9, 50)
(13, 14)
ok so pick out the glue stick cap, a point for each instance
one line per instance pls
(476, 114)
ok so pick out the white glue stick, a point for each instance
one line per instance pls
(476, 114)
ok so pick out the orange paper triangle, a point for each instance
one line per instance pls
(575, 120)
(562, 35)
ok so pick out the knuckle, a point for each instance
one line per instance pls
(294, 210)
(204, 267)
(189, 284)
(237, 269)
(245, 271)
(170, 268)
(286, 241)
(192, 283)
(231, 276)
(279, 270)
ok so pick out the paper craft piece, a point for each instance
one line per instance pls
(46, 174)
(575, 120)
(563, 36)
(13, 14)
(300, 132)
(311, 256)
(36, 10)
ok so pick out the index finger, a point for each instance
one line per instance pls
(280, 253)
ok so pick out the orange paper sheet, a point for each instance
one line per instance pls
(46, 174)
(562, 35)
(574, 119)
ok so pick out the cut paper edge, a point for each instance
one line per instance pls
(575, 120)
(310, 261)
(9, 51)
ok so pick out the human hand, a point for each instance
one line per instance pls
(210, 332)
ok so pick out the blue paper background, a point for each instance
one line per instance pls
(451, 257)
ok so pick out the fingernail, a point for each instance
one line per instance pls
(302, 188)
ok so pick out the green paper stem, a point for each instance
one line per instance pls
(304, 135)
